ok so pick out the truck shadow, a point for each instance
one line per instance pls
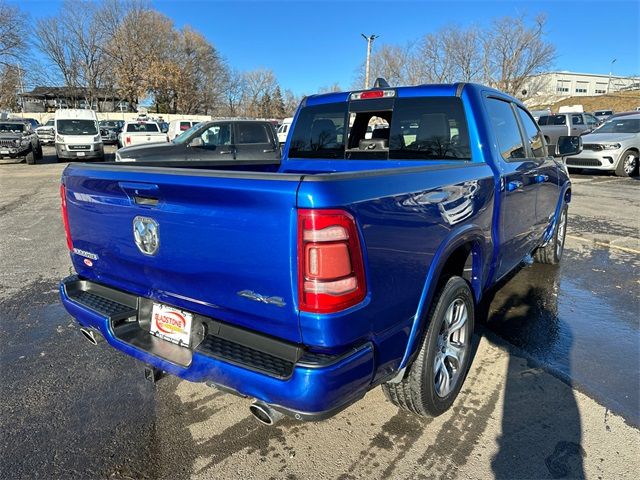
(541, 425)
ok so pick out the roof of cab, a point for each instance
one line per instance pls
(426, 90)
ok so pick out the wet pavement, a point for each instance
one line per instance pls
(552, 393)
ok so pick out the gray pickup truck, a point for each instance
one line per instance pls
(565, 124)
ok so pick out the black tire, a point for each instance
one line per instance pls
(628, 164)
(38, 152)
(551, 253)
(417, 392)
(30, 158)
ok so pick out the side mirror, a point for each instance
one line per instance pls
(196, 142)
(567, 146)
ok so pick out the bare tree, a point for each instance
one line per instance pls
(257, 84)
(515, 52)
(9, 86)
(13, 34)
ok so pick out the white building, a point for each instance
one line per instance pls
(552, 86)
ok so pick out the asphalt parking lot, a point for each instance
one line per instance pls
(553, 391)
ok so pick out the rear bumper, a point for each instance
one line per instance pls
(306, 386)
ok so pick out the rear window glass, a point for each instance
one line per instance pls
(428, 128)
(252, 133)
(142, 127)
(552, 120)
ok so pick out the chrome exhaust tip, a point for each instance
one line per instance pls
(92, 335)
(265, 414)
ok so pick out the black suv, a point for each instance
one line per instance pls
(17, 139)
(251, 140)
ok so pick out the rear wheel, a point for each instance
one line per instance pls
(628, 164)
(434, 379)
(38, 151)
(552, 252)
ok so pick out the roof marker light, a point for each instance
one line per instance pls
(373, 94)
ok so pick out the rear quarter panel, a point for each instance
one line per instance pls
(406, 221)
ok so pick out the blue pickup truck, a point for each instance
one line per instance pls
(355, 261)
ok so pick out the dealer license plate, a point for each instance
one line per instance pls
(171, 324)
(80, 154)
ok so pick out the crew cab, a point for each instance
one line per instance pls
(224, 140)
(141, 132)
(566, 124)
(351, 263)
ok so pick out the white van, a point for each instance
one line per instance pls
(177, 127)
(283, 130)
(78, 135)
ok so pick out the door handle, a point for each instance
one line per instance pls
(515, 185)
(541, 178)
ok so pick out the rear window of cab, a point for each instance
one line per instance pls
(424, 128)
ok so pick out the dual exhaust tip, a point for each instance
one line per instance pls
(92, 335)
(265, 414)
(261, 411)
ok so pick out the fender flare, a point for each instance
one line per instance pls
(467, 234)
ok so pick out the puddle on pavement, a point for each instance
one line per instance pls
(581, 320)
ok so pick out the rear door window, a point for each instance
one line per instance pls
(251, 133)
(506, 129)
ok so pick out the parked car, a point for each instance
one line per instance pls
(614, 146)
(78, 135)
(566, 124)
(283, 129)
(352, 263)
(602, 115)
(109, 131)
(224, 140)
(178, 127)
(141, 132)
(18, 140)
(47, 132)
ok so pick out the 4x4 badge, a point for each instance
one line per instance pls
(146, 235)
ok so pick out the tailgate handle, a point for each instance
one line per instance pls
(141, 193)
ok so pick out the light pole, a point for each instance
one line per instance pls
(369, 40)
(610, 73)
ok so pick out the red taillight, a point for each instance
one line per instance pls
(330, 268)
(127, 140)
(65, 216)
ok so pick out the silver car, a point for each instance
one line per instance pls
(614, 146)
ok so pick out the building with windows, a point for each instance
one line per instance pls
(552, 86)
(50, 99)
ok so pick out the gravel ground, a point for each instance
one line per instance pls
(530, 408)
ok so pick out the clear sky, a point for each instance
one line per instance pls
(310, 44)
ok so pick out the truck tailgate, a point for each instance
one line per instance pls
(226, 239)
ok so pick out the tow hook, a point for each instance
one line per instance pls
(152, 374)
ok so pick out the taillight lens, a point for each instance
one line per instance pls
(65, 216)
(127, 140)
(330, 268)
